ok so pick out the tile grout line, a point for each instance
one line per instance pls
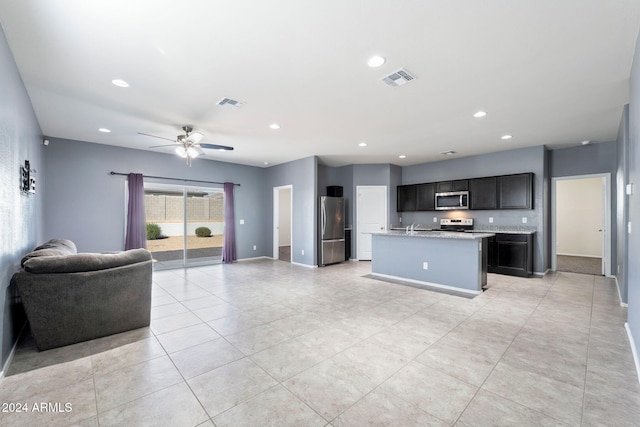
(586, 367)
(502, 356)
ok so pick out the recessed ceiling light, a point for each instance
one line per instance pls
(362, 144)
(375, 61)
(506, 137)
(402, 156)
(274, 126)
(448, 152)
(266, 163)
(585, 142)
(479, 114)
(120, 83)
(105, 130)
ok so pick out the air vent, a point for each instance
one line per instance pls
(398, 78)
(228, 102)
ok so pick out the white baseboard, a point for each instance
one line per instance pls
(254, 258)
(304, 265)
(433, 285)
(622, 303)
(633, 349)
(581, 255)
(12, 353)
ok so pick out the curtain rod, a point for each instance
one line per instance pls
(172, 179)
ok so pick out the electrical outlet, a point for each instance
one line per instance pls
(302, 252)
(524, 219)
(425, 265)
(490, 220)
(241, 221)
(255, 247)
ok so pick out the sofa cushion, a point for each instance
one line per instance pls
(62, 244)
(77, 263)
(54, 247)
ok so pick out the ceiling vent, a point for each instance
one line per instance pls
(398, 78)
(228, 102)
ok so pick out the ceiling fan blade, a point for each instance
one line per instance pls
(195, 137)
(166, 145)
(216, 147)
(155, 136)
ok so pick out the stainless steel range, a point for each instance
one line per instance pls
(456, 224)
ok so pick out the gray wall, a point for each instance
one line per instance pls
(584, 160)
(501, 163)
(87, 205)
(633, 278)
(622, 208)
(20, 215)
(302, 175)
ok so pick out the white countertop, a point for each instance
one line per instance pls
(436, 234)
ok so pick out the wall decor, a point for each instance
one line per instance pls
(27, 181)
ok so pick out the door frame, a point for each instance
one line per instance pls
(606, 219)
(184, 188)
(276, 220)
(386, 212)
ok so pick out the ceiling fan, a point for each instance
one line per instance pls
(188, 146)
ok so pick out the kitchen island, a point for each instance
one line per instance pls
(449, 260)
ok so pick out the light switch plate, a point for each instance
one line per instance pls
(490, 220)
(524, 219)
(629, 189)
(241, 221)
(435, 219)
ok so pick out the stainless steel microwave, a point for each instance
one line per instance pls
(452, 200)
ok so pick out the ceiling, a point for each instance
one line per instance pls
(552, 72)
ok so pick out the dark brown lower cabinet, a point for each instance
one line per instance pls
(511, 254)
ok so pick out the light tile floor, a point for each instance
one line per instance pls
(266, 343)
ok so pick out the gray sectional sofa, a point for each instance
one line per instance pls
(71, 297)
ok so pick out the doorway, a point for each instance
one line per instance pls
(282, 222)
(371, 216)
(185, 225)
(581, 235)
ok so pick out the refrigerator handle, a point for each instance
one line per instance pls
(324, 218)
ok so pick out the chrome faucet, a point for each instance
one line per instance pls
(410, 228)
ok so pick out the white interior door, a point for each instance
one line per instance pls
(581, 212)
(371, 213)
(282, 213)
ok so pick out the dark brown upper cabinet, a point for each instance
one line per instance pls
(493, 192)
(483, 193)
(457, 185)
(515, 191)
(406, 198)
(426, 197)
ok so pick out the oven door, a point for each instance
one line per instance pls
(452, 200)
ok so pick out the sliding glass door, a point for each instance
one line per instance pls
(185, 224)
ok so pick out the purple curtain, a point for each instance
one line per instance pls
(136, 227)
(229, 244)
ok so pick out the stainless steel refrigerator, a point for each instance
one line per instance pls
(331, 230)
